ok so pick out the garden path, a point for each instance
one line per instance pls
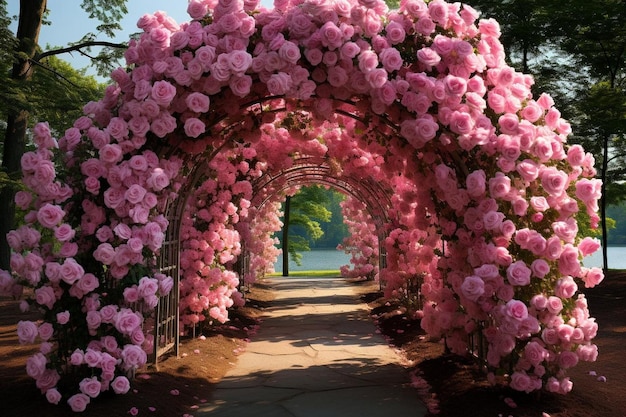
(317, 353)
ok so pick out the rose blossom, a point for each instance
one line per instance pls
(592, 277)
(162, 93)
(36, 365)
(53, 396)
(45, 296)
(120, 385)
(473, 287)
(554, 305)
(26, 332)
(90, 386)
(63, 317)
(133, 357)
(50, 215)
(198, 102)
(565, 287)
(127, 320)
(588, 246)
(516, 309)
(518, 274)
(194, 127)
(78, 402)
(92, 358)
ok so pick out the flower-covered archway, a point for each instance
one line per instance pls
(488, 197)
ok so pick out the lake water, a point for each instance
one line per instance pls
(325, 259)
(322, 259)
(616, 258)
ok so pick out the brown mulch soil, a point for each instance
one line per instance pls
(454, 382)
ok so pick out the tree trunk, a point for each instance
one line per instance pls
(31, 15)
(603, 171)
(286, 237)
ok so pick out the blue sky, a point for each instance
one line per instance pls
(69, 22)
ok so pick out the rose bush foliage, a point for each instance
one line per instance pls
(485, 194)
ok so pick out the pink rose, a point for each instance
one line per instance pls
(135, 194)
(77, 357)
(588, 189)
(569, 264)
(240, 85)
(198, 102)
(289, 52)
(64, 232)
(93, 319)
(117, 128)
(133, 357)
(78, 402)
(592, 277)
(88, 283)
(521, 381)
(165, 286)
(489, 27)
(554, 181)
(23, 199)
(565, 287)
(540, 302)
(147, 286)
(36, 365)
(108, 313)
(194, 127)
(158, 179)
(516, 309)
(587, 353)
(391, 59)
(50, 215)
(475, 183)
(45, 296)
(567, 359)
(53, 396)
(554, 305)
(92, 358)
(104, 253)
(518, 274)
(131, 295)
(279, 84)
(26, 332)
(162, 93)
(71, 271)
(63, 317)
(425, 26)
(90, 386)
(473, 287)
(127, 320)
(47, 380)
(540, 268)
(110, 153)
(535, 353)
(576, 155)
(120, 385)
(197, 9)
(499, 186)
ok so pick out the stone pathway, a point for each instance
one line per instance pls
(316, 354)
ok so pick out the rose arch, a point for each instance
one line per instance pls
(151, 192)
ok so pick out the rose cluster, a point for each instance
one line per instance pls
(483, 198)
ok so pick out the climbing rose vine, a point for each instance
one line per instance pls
(484, 197)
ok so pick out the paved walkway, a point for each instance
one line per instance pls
(316, 354)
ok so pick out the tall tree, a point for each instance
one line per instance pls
(27, 56)
(305, 210)
(594, 33)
